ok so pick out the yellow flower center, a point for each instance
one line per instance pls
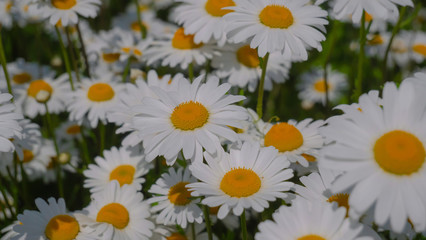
(176, 236)
(123, 174)
(320, 85)
(275, 16)
(110, 57)
(311, 237)
(38, 85)
(399, 152)
(420, 49)
(248, 56)
(342, 200)
(9, 6)
(73, 129)
(21, 78)
(63, 4)
(240, 182)
(135, 50)
(28, 156)
(179, 194)
(62, 227)
(115, 214)
(182, 41)
(135, 26)
(189, 116)
(214, 7)
(309, 158)
(100, 92)
(284, 137)
(368, 17)
(376, 40)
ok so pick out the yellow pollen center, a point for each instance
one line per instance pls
(376, 40)
(28, 156)
(62, 227)
(275, 16)
(309, 158)
(21, 78)
(319, 86)
(420, 49)
(123, 174)
(115, 214)
(189, 116)
(284, 137)
(135, 26)
(135, 50)
(182, 41)
(214, 7)
(399, 152)
(73, 129)
(240, 182)
(342, 200)
(368, 17)
(311, 237)
(100, 92)
(110, 57)
(179, 194)
(248, 57)
(176, 236)
(63, 4)
(8, 6)
(38, 85)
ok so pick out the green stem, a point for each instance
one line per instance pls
(83, 145)
(207, 69)
(3, 63)
(206, 212)
(101, 138)
(24, 185)
(362, 40)
(141, 26)
(244, 225)
(83, 50)
(388, 47)
(241, 92)
(191, 71)
(259, 108)
(72, 54)
(126, 70)
(194, 236)
(66, 59)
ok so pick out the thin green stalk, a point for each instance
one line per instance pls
(191, 72)
(24, 185)
(66, 59)
(362, 40)
(72, 54)
(126, 70)
(3, 63)
(207, 69)
(388, 47)
(141, 26)
(101, 138)
(83, 145)
(259, 108)
(241, 92)
(244, 225)
(208, 222)
(83, 50)
(194, 236)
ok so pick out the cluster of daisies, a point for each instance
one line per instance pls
(155, 116)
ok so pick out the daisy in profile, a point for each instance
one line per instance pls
(125, 165)
(173, 199)
(313, 87)
(203, 18)
(242, 179)
(381, 149)
(94, 98)
(306, 220)
(68, 132)
(270, 26)
(188, 120)
(296, 141)
(51, 221)
(240, 65)
(118, 213)
(419, 47)
(9, 125)
(179, 49)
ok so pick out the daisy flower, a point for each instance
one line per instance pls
(6, 13)
(94, 98)
(9, 126)
(127, 166)
(240, 65)
(242, 179)
(203, 18)
(270, 26)
(179, 49)
(175, 205)
(190, 119)
(128, 46)
(68, 131)
(8, 232)
(419, 47)
(313, 88)
(118, 213)
(51, 221)
(381, 149)
(306, 220)
(297, 141)
(5, 200)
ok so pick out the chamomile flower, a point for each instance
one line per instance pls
(68, 131)
(240, 65)
(306, 220)
(313, 88)
(203, 18)
(9, 125)
(8, 232)
(125, 165)
(381, 149)
(94, 98)
(118, 213)
(296, 141)
(270, 26)
(128, 46)
(175, 205)
(190, 119)
(243, 179)
(51, 221)
(5, 13)
(419, 47)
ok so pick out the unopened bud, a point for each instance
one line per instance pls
(42, 96)
(56, 61)
(64, 158)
